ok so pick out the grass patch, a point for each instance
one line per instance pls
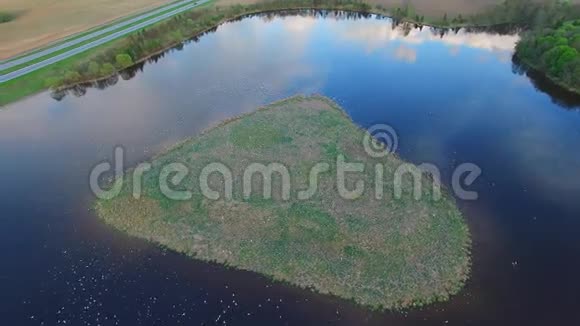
(53, 54)
(7, 17)
(376, 253)
(252, 136)
(48, 21)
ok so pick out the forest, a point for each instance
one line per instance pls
(554, 51)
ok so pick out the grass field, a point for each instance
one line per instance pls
(14, 68)
(381, 253)
(41, 22)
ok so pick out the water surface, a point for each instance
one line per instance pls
(452, 98)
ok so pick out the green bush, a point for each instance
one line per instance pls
(93, 69)
(123, 60)
(575, 43)
(72, 76)
(53, 82)
(107, 69)
(6, 17)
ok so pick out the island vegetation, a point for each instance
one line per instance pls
(554, 51)
(390, 252)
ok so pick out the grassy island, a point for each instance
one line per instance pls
(385, 253)
(555, 52)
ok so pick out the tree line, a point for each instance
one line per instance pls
(138, 46)
(554, 51)
(149, 41)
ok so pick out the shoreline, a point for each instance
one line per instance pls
(556, 81)
(385, 13)
(267, 11)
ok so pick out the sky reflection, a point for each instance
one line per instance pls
(451, 99)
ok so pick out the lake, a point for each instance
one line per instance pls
(452, 97)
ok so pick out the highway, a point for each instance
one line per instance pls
(75, 41)
(82, 48)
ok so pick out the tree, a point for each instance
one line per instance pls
(123, 60)
(410, 10)
(53, 81)
(93, 68)
(576, 42)
(72, 76)
(107, 69)
(365, 7)
(567, 55)
(555, 51)
(576, 74)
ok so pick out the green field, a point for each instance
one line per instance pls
(380, 252)
(11, 69)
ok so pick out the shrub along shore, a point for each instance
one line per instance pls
(384, 252)
(107, 60)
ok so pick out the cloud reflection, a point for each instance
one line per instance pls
(379, 34)
(405, 53)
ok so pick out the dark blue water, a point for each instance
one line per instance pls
(451, 99)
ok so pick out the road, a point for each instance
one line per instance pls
(82, 48)
(47, 51)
